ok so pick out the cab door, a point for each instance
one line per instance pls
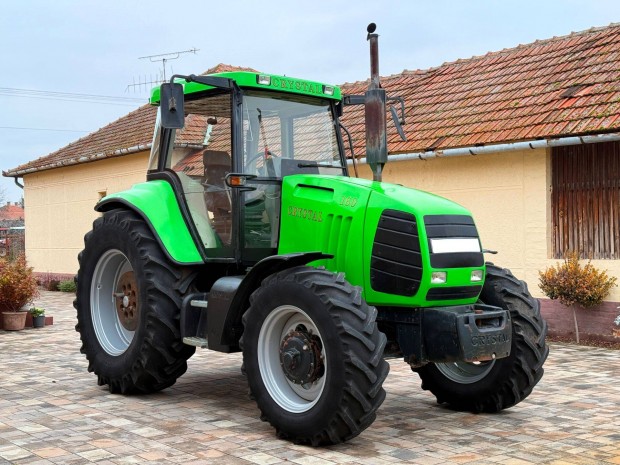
(261, 201)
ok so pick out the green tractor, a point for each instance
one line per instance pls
(249, 235)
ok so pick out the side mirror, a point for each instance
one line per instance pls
(171, 103)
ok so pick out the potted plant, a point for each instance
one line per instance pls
(38, 317)
(575, 285)
(17, 287)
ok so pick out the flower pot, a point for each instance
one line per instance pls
(38, 321)
(14, 321)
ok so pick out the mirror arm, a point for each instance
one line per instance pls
(213, 81)
(402, 107)
(343, 127)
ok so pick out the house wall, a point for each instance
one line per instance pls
(59, 207)
(508, 194)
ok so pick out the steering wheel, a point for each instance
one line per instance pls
(251, 160)
(266, 163)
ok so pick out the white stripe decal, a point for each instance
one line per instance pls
(452, 245)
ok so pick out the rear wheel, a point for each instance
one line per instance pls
(313, 356)
(127, 301)
(499, 384)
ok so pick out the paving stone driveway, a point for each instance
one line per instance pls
(52, 411)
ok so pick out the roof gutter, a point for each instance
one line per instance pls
(77, 161)
(509, 147)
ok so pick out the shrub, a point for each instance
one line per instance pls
(17, 284)
(67, 286)
(37, 311)
(572, 283)
(49, 280)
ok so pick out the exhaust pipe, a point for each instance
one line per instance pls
(375, 111)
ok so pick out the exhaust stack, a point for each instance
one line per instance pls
(375, 111)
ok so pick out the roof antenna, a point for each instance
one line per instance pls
(164, 58)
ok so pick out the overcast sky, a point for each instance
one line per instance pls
(93, 48)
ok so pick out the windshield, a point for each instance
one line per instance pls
(286, 134)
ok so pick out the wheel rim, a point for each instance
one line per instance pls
(465, 372)
(114, 310)
(275, 331)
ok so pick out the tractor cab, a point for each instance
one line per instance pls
(241, 135)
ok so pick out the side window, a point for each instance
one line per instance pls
(201, 158)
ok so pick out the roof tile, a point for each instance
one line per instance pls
(503, 96)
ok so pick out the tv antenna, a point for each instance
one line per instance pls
(164, 58)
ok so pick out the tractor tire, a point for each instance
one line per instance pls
(128, 299)
(498, 384)
(313, 356)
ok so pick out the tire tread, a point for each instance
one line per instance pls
(522, 370)
(363, 345)
(161, 358)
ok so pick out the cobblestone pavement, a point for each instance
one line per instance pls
(53, 412)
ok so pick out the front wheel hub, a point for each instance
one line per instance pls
(300, 357)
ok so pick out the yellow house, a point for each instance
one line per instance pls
(527, 138)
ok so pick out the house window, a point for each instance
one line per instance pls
(585, 200)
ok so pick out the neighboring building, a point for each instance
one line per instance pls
(11, 230)
(12, 212)
(528, 138)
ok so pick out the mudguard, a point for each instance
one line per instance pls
(157, 204)
(229, 297)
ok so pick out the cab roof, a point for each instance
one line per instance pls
(265, 81)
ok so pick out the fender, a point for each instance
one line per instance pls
(157, 204)
(229, 298)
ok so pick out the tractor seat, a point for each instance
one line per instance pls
(217, 165)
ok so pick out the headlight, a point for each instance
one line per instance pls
(438, 277)
(476, 275)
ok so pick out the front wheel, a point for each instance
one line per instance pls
(313, 356)
(498, 384)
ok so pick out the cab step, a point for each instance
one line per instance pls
(194, 319)
(196, 342)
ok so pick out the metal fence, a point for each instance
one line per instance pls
(11, 246)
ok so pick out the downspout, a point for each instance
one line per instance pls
(20, 185)
(509, 147)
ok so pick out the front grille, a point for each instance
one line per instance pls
(452, 227)
(453, 293)
(396, 263)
